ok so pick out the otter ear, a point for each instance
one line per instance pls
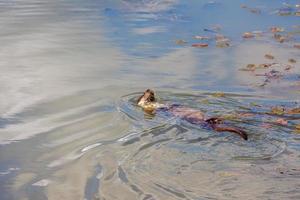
(149, 91)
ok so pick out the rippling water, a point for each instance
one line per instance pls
(71, 72)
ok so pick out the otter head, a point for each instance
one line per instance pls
(146, 98)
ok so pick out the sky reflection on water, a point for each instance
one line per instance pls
(72, 69)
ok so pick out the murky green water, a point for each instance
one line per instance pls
(72, 70)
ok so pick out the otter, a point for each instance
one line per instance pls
(150, 105)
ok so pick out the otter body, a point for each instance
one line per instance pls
(148, 102)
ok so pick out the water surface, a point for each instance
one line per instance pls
(71, 72)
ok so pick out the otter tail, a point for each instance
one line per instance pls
(240, 132)
(214, 122)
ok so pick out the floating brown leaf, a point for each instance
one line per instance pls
(222, 43)
(264, 65)
(297, 128)
(278, 110)
(279, 38)
(275, 29)
(248, 35)
(219, 94)
(180, 42)
(200, 45)
(251, 67)
(269, 56)
(291, 60)
(294, 111)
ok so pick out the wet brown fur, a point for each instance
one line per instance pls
(148, 96)
(191, 115)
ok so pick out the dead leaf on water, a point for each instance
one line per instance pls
(276, 29)
(180, 42)
(291, 60)
(269, 56)
(218, 94)
(297, 128)
(279, 38)
(200, 45)
(248, 35)
(294, 111)
(277, 110)
(264, 65)
(251, 67)
(222, 43)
